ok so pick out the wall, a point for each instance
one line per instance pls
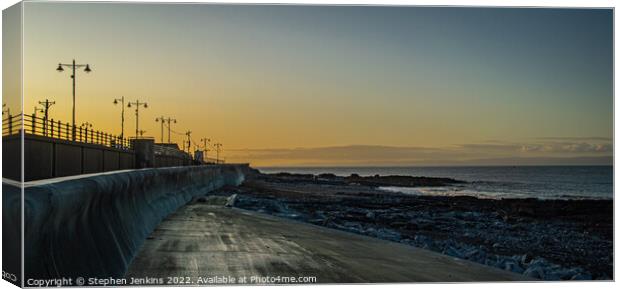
(171, 161)
(11, 157)
(46, 157)
(92, 226)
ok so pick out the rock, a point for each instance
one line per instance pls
(422, 240)
(512, 266)
(535, 272)
(230, 202)
(451, 251)
(568, 274)
(371, 231)
(370, 215)
(471, 253)
(538, 262)
(581, 276)
(525, 259)
(388, 234)
(327, 176)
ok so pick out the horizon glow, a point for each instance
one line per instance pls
(433, 85)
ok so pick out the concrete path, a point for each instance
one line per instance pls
(210, 241)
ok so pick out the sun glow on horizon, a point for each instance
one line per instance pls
(428, 85)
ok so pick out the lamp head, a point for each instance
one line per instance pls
(115, 101)
(87, 69)
(129, 104)
(60, 69)
(146, 105)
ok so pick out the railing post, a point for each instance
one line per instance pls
(34, 123)
(59, 129)
(52, 129)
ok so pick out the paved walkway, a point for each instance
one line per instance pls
(207, 241)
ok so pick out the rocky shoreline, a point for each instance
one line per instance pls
(544, 239)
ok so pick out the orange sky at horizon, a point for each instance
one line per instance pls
(331, 78)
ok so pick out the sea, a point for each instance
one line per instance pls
(542, 182)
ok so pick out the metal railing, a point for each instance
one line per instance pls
(168, 151)
(213, 161)
(56, 129)
(11, 124)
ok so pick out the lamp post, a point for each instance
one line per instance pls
(218, 147)
(164, 120)
(84, 136)
(37, 109)
(122, 102)
(73, 67)
(205, 142)
(137, 103)
(189, 141)
(46, 107)
(6, 109)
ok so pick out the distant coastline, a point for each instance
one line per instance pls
(545, 182)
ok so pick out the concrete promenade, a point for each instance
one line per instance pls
(201, 240)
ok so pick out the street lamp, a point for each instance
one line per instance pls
(137, 103)
(46, 107)
(73, 67)
(164, 120)
(218, 147)
(37, 109)
(84, 136)
(122, 101)
(34, 119)
(6, 109)
(205, 142)
(189, 141)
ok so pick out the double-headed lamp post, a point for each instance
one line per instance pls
(218, 147)
(164, 120)
(122, 102)
(205, 141)
(73, 66)
(137, 103)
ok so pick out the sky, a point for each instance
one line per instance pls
(337, 85)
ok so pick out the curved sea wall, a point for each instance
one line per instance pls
(93, 226)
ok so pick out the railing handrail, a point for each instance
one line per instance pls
(168, 151)
(56, 129)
